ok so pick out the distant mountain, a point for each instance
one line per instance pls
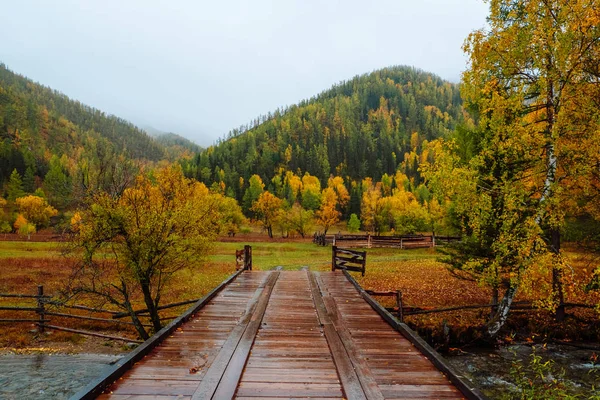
(363, 127)
(177, 144)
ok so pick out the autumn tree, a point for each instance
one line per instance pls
(311, 192)
(253, 192)
(369, 210)
(282, 221)
(343, 197)
(535, 73)
(266, 208)
(300, 220)
(137, 242)
(293, 187)
(24, 227)
(402, 212)
(36, 210)
(232, 217)
(328, 215)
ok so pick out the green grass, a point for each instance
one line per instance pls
(29, 249)
(294, 255)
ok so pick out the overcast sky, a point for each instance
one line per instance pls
(201, 68)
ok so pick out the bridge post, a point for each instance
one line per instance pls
(333, 250)
(247, 258)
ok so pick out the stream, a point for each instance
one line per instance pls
(490, 369)
(48, 376)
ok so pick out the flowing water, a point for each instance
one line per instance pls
(48, 376)
(490, 369)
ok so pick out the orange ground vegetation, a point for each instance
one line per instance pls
(427, 283)
(22, 275)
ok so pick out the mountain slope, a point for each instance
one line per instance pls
(359, 128)
(37, 123)
(177, 144)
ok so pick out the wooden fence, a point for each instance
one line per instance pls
(43, 306)
(34, 237)
(401, 310)
(349, 260)
(373, 241)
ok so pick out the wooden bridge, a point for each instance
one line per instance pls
(283, 334)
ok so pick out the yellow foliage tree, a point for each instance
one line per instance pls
(532, 78)
(343, 197)
(134, 244)
(311, 192)
(369, 206)
(300, 220)
(328, 215)
(36, 209)
(266, 208)
(20, 221)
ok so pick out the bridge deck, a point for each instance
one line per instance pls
(288, 334)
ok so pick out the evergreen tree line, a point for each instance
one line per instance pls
(371, 125)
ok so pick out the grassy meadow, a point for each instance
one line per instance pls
(424, 282)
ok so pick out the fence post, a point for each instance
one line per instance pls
(369, 241)
(399, 303)
(248, 258)
(40, 306)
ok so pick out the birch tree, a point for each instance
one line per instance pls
(538, 61)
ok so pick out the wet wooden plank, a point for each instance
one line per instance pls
(361, 367)
(397, 367)
(290, 357)
(350, 380)
(294, 337)
(186, 354)
(221, 375)
(227, 385)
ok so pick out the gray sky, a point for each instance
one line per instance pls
(200, 68)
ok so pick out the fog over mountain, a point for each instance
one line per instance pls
(200, 69)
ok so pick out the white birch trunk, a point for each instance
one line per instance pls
(499, 319)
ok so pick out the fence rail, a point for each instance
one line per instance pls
(402, 310)
(42, 301)
(372, 241)
(46, 305)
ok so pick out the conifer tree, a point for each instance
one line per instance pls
(14, 189)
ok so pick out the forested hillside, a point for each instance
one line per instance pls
(364, 127)
(176, 145)
(59, 145)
